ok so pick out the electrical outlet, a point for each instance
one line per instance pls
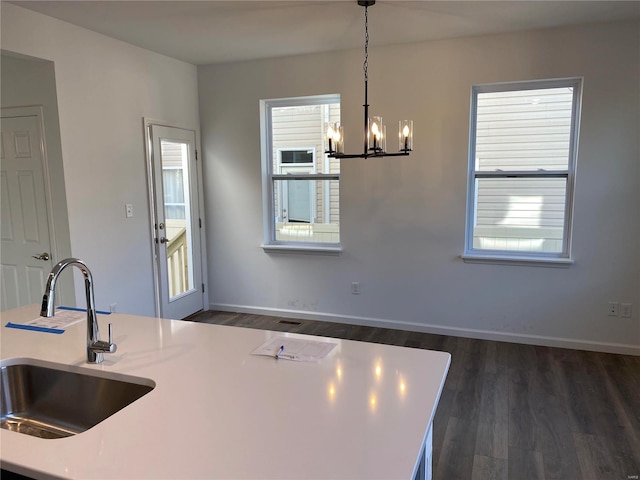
(625, 310)
(613, 309)
(129, 210)
(113, 308)
(355, 288)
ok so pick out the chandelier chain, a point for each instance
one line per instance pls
(365, 66)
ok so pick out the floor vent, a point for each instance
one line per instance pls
(289, 322)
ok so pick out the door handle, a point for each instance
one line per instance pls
(164, 240)
(43, 256)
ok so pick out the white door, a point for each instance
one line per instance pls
(176, 221)
(26, 245)
(297, 201)
(297, 197)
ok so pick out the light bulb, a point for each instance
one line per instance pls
(330, 132)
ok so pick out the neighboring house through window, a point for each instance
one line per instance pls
(522, 162)
(300, 182)
(174, 155)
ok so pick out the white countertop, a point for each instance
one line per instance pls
(219, 412)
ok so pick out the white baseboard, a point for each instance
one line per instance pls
(619, 348)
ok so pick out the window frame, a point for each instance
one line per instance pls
(479, 255)
(269, 177)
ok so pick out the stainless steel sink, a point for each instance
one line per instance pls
(50, 400)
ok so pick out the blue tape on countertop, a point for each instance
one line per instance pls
(34, 328)
(101, 312)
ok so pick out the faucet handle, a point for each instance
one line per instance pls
(112, 347)
(105, 347)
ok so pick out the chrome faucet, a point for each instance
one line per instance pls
(95, 346)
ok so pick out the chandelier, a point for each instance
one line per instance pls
(375, 132)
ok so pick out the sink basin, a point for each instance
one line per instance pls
(49, 400)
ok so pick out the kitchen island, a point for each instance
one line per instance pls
(217, 411)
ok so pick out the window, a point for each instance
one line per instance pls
(300, 182)
(173, 181)
(522, 161)
(298, 156)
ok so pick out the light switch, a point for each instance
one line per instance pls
(129, 210)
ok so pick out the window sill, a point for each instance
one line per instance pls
(303, 249)
(523, 260)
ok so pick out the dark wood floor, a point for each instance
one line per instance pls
(509, 410)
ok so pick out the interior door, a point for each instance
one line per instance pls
(176, 221)
(26, 244)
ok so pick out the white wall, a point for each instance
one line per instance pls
(105, 88)
(402, 220)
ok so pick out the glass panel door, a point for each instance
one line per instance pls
(176, 221)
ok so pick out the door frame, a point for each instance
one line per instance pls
(146, 124)
(59, 237)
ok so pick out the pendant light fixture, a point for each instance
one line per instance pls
(375, 132)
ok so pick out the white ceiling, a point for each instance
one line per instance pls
(204, 32)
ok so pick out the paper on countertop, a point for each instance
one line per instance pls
(62, 319)
(296, 349)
